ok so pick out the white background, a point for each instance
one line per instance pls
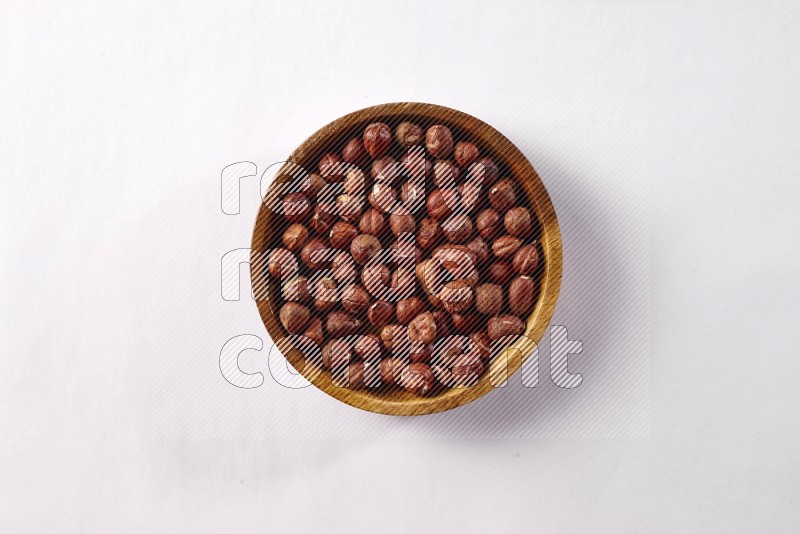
(667, 133)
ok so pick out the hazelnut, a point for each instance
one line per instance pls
(435, 301)
(466, 322)
(363, 247)
(458, 261)
(502, 196)
(467, 369)
(315, 253)
(417, 378)
(422, 328)
(354, 152)
(470, 193)
(457, 228)
(294, 237)
(343, 268)
(294, 317)
(353, 377)
(354, 182)
(466, 153)
(321, 220)
(440, 201)
(518, 222)
(281, 264)
(342, 234)
(382, 197)
(394, 336)
(314, 330)
(488, 223)
(326, 293)
(451, 252)
(420, 353)
(526, 260)
(373, 222)
(381, 164)
(355, 298)
(429, 232)
(340, 324)
(457, 296)
(296, 207)
(505, 325)
(349, 207)
(506, 246)
(336, 354)
(450, 352)
(408, 309)
(313, 184)
(377, 139)
(412, 194)
(330, 167)
(429, 273)
(403, 282)
(402, 223)
(391, 368)
(481, 344)
(296, 290)
(377, 279)
(500, 272)
(480, 248)
(521, 294)
(368, 347)
(408, 134)
(439, 141)
(489, 299)
(416, 164)
(442, 320)
(380, 312)
(405, 252)
(445, 173)
(483, 172)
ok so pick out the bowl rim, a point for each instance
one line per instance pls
(511, 359)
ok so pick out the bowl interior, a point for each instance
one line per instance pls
(512, 163)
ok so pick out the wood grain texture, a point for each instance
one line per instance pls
(492, 143)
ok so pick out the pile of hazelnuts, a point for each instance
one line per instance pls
(409, 259)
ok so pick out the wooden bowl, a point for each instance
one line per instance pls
(511, 162)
